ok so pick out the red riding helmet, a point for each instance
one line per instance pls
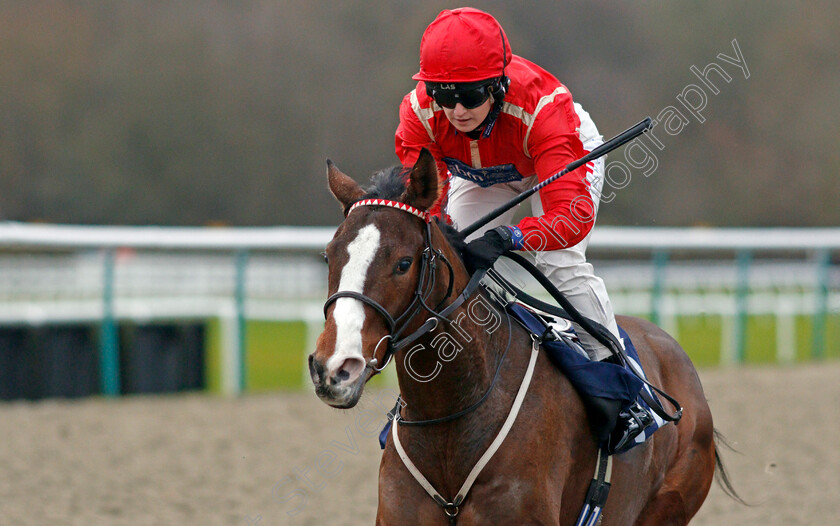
(463, 45)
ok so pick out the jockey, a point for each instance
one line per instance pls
(497, 124)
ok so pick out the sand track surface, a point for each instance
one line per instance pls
(287, 459)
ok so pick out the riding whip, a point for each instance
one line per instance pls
(619, 140)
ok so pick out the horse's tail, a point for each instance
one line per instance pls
(721, 475)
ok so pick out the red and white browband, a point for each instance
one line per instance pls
(393, 204)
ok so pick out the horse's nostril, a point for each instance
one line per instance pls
(316, 370)
(348, 370)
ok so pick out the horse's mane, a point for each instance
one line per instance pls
(384, 184)
(390, 184)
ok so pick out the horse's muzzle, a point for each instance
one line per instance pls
(341, 389)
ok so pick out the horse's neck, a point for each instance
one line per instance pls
(452, 367)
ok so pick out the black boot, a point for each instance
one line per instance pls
(631, 423)
(603, 416)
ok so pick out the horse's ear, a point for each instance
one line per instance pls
(342, 186)
(422, 186)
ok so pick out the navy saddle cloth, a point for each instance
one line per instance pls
(597, 379)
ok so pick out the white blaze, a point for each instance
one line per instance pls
(349, 313)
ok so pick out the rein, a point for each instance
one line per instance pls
(425, 286)
(462, 412)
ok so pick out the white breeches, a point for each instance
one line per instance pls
(567, 268)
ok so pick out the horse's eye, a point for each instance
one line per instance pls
(326, 259)
(403, 265)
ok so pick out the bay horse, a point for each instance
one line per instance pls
(391, 271)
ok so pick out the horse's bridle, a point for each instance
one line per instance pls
(425, 287)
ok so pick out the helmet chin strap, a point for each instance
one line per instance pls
(490, 121)
(482, 131)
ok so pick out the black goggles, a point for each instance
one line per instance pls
(448, 95)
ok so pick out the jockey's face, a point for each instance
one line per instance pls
(465, 120)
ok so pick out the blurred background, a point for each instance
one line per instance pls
(163, 205)
(206, 111)
(198, 114)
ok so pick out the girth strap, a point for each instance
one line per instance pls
(599, 490)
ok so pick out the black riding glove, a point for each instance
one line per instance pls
(481, 253)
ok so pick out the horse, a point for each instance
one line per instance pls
(394, 274)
